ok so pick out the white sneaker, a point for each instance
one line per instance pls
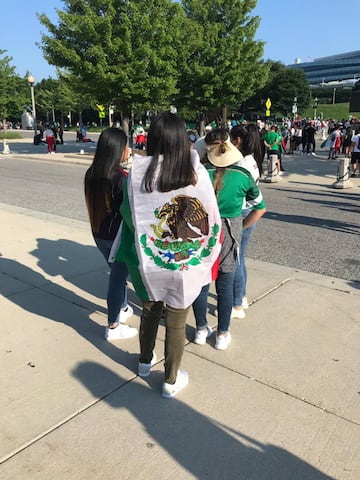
(170, 390)
(245, 304)
(144, 369)
(120, 332)
(313, 153)
(222, 341)
(125, 314)
(201, 335)
(238, 313)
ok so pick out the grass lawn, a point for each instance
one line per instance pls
(9, 134)
(336, 111)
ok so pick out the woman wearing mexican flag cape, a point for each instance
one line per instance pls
(170, 240)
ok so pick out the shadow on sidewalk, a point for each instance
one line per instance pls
(328, 198)
(58, 257)
(59, 304)
(202, 446)
(328, 224)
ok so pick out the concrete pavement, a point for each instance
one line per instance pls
(281, 403)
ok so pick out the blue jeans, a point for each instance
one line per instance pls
(240, 270)
(117, 289)
(331, 153)
(224, 289)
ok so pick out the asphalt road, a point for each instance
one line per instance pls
(316, 230)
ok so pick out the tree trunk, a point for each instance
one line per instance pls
(224, 115)
(125, 118)
(125, 124)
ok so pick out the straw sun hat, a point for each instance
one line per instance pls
(220, 154)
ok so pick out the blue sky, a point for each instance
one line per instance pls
(307, 29)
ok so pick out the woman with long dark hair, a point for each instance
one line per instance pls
(169, 240)
(104, 181)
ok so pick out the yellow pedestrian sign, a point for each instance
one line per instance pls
(268, 105)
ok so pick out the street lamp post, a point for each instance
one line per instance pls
(31, 81)
(316, 101)
(294, 108)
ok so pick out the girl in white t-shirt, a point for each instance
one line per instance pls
(247, 140)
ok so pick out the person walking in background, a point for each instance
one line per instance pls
(355, 153)
(169, 240)
(61, 133)
(247, 140)
(337, 146)
(310, 138)
(104, 181)
(49, 139)
(334, 142)
(323, 130)
(331, 142)
(232, 185)
(292, 139)
(298, 137)
(271, 141)
(282, 149)
(346, 144)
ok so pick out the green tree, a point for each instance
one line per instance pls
(283, 86)
(46, 99)
(123, 52)
(14, 90)
(55, 98)
(223, 67)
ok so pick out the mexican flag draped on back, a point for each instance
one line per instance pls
(169, 240)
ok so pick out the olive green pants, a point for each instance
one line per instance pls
(175, 320)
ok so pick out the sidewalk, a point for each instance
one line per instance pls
(282, 402)
(68, 152)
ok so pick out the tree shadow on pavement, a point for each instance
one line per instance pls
(58, 257)
(72, 261)
(328, 224)
(56, 303)
(202, 446)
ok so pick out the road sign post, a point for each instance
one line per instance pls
(268, 105)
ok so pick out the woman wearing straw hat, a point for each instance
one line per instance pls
(232, 185)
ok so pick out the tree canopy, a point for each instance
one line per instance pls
(223, 66)
(13, 88)
(124, 52)
(283, 85)
(147, 54)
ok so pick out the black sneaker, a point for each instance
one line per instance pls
(353, 175)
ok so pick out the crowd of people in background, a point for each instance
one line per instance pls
(299, 136)
(51, 134)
